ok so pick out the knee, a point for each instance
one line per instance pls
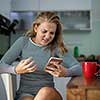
(48, 93)
(46, 90)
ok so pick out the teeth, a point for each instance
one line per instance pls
(45, 40)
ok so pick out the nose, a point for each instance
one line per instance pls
(48, 35)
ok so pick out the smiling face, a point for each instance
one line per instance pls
(45, 33)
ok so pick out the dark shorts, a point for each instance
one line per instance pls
(20, 96)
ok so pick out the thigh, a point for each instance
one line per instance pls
(48, 93)
(27, 98)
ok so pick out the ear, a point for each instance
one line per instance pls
(35, 28)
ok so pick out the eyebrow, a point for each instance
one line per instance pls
(47, 30)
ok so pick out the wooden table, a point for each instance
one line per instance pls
(83, 89)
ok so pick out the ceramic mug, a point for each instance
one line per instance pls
(89, 69)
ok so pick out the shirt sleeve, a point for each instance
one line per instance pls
(74, 68)
(11, 55)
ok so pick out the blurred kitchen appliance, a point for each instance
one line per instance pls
(7, 27)
(25, 19)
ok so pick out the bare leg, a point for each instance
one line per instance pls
(48, 93)
(27, 98)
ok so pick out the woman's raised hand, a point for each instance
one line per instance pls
(26, 66)
(56, 70)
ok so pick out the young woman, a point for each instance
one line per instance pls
(41, 42)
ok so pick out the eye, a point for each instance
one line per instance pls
(44, 31)
(52, 33)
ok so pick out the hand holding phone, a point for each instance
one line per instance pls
(54, 66)
(55, 59)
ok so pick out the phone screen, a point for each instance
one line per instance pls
(58, 60)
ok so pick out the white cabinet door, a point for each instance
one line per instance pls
(5, 6)
(25, 5)
(62, 5)
(50, 5)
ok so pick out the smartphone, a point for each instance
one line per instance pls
(55, 59)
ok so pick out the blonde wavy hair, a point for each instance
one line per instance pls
(51, 17)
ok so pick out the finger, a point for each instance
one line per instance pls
(22, 61)
(49, 71)
(32, 69)
(52, 68)
(56, 74)
(52, 73)
(58, 66)
(27, 61)
(29, 65)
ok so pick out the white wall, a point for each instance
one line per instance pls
(61, 84)
(5, 6)
(88, 42)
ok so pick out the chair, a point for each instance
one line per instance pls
(7, 83)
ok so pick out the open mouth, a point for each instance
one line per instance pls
(45, 40)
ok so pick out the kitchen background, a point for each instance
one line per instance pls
(82, 16)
